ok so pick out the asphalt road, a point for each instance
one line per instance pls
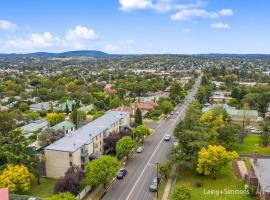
(142, 167)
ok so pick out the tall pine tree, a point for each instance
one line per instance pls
(138, 117)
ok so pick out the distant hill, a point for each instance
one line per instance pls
(249, 56)
(88, 53)
(101, 54)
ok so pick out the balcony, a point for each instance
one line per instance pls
(84, 154)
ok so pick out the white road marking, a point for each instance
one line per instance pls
(132, 189)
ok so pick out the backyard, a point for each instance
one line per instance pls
(201, 186)
(45, 189)
(251, 144)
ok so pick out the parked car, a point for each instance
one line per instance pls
(122, 173)
(167, 137)
(153, 187)
(140, 149)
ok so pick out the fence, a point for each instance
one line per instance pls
(84, 192)
(22, 197)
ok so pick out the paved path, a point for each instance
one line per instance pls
(169, 184)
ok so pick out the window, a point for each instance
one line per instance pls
(70, 154)
(70, 163)
(100, 142)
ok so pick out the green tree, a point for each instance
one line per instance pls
(62, 196)
(166, 107)
(228, 135)
(181, 192)
(138, 117)
(165, 168)
(214, 160)
(140, 132)
(154, 114)
(115, 102)
(124, 146)
(102, 170)
(265, 135)
(45, 138)
(67, 109)
(7, 122)
(55, 118)
(14, 148)
(51, 108)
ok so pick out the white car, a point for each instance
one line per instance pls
(167, 137)
(140, 149)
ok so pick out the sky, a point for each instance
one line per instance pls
(135, 26)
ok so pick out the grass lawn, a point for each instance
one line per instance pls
(45, 189)
(251, 144)
(225, 181)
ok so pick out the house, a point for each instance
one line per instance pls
(143, 106)
(68, 103)
(40, 107)
(237, 116)
(259, 176)
(33, 127)
(219, 97)
(66, 126)
(3, 108)
(184, 80)
(217, 84)
(86, 109)
(108, 89)
(86, 142)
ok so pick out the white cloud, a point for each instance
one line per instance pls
(76, 38)
(111, 48)
(190, 14)
(135, 4)
(33, 41)
(158, 5)
(226, 12)
(219, 25)
(186, 15)
(81, 33)
(7, 25)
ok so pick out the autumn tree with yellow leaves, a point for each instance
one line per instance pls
(214, 160)
(212, 123)
(17, 178)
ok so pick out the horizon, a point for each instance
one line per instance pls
(136, 26)
(127, 54)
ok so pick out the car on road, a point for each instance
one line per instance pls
(167, 137)
(153, 187)
(140, 149)
(177, 112)
(121, 174)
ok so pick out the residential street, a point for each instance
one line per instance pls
(142, 167)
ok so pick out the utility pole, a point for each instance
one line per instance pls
(157, 164)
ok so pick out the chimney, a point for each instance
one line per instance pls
(255, 157)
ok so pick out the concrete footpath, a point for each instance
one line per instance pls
(169, 185)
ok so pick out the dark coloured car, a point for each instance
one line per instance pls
(122, 173)
(153, 187)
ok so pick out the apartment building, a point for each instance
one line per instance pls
(76, 147)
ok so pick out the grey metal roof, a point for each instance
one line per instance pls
(262, 171)
(85, 134)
